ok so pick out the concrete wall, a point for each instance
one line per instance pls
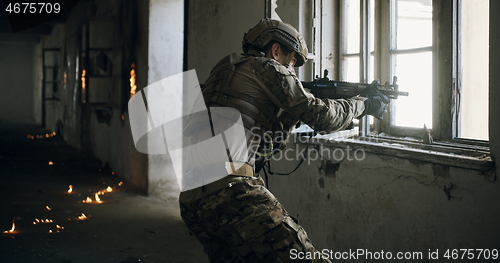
(494, 66)
(216, 29)
(37, 82)
(103, 130)
(363, 200)
(147, 33)
(16, 76)
(54, 109)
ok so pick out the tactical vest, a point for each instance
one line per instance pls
(217, 92)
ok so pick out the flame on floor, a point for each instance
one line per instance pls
(70, 189)
(41, 136)
(43, 221)
(12, 229)
(97, 199)
(82, 217)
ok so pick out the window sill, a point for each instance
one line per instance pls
(446, 153)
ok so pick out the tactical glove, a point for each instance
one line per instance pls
(375, 102)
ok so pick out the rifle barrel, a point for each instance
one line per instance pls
(340, 89)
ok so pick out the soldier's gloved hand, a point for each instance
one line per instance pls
(376, 101)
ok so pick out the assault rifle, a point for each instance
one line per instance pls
(333, 89)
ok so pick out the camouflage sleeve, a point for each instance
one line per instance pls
(286, 91)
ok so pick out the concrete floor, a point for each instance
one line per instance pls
(125, 227)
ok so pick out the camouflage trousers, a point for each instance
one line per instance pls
(243, 222)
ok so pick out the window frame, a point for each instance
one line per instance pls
(445, 62)
(447, 148)
(445, 65)
(385, 18)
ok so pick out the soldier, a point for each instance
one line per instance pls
(236, 218)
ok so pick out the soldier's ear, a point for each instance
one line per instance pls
(276, 51)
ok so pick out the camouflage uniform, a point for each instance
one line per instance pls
(243, 222)
(236, 218)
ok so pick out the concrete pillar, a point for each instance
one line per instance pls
(166, 43)
(494, 82)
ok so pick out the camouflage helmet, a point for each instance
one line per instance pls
(268, 30)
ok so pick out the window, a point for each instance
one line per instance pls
(356, 43)
(410, 59)
(439, 52)
(473, 47)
